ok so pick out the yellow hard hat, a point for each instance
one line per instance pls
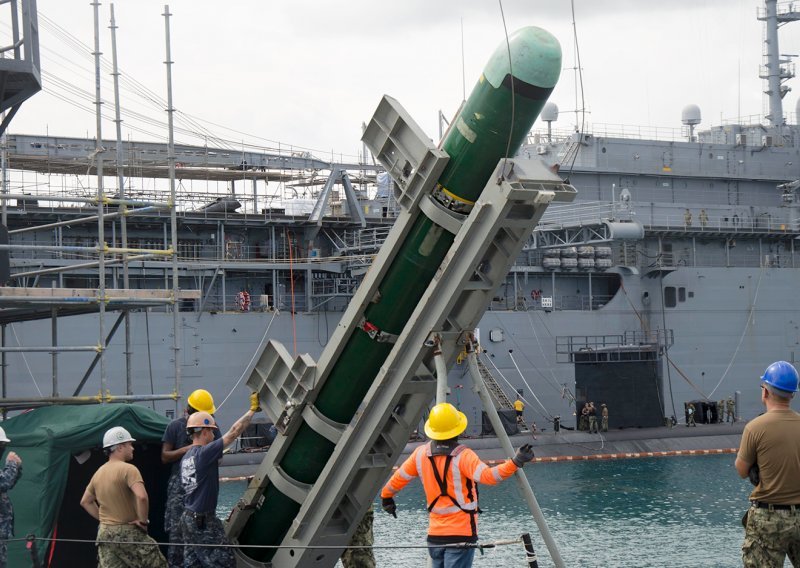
(445, 422)
(202, 400)
(201, 420)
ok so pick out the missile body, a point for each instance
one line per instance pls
(492, 124)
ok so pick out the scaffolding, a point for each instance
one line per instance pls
(25, 303)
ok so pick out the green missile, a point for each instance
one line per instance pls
(493, 123)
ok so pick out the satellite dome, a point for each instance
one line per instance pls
(690, 115)
(550, 112)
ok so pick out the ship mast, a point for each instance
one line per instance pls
(777, 68)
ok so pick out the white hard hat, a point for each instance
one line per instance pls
(116, 435)
(3, 437)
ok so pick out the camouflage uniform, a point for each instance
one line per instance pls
(8, 477)
(127, 555)
(770, 536)
(690, 416)
(361, 557)
(731, 411)
(173, 510)
(604, 421)
(721, 411)
(205, 529)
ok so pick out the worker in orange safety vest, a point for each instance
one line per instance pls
(450, 473)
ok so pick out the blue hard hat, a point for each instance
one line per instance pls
(782, 376)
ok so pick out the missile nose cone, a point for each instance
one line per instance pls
(535, 59)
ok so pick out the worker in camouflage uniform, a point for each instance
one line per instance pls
(8, 478)
(592, 418)
(174, 444)
(721, 411)
(583, 424)
(200, 479)
(731, 410)
(358, 557)
(116, 497)
(604, 417)
(769, 455)
(690, 415)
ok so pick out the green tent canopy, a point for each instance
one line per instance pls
(61, 448)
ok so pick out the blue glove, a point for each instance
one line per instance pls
(389, 506)
(524, 455)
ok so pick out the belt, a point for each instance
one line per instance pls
(771, 506)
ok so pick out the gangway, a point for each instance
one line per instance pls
(496, 391)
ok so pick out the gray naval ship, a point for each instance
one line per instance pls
(671, 278)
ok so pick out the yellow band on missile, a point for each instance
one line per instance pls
(455, 197)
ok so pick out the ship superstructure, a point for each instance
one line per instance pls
(680, 250)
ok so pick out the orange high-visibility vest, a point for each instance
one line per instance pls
(453, 504)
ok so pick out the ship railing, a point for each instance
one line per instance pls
(578, 302)
(698, 220)
(629, 346)
(607, 130)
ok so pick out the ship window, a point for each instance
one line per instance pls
(669, 297)
(603, 150)
(681, 294)
(691, 294)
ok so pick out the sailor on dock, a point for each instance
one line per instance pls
(583, 423)
(731, 405)
(690, 415)
(200, 479)
(592, 418)
(174, 444)
(8, 478)
(519, 407)
(771, 446)
(604, 415)
(116, 497)
(449, 473)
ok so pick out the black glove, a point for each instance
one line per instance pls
(524, 455)
(389, 506)
(754, 474)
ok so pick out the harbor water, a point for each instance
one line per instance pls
(668, 511)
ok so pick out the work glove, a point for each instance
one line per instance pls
(524, 455)
(389, 506)
(255, 406)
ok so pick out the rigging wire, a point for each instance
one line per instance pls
(544, 414)
(253, 358)
(25, 360)
(666, 347)
(580, 85)
(741, 337)
(511, 356)
(190, 126)
(511, 75)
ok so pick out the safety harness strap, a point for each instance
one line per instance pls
(441, 480)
